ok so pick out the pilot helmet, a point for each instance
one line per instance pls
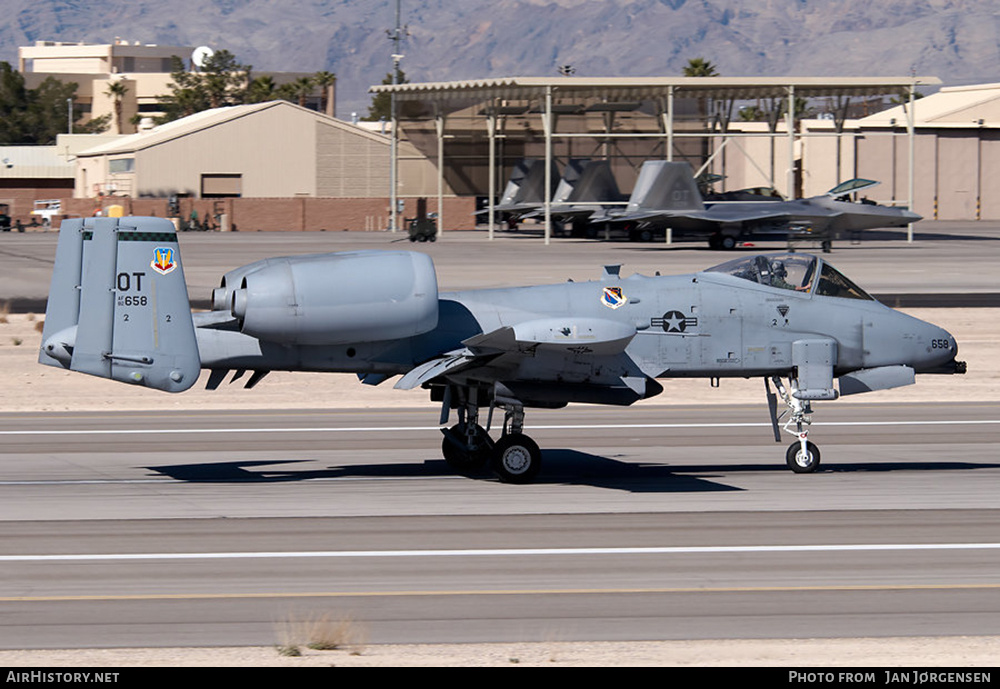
(778, 269)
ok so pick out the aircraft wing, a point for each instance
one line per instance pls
(733, 214)
(762, 210)
(574, 337)
(452, 362)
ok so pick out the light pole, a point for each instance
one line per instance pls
(396, 35)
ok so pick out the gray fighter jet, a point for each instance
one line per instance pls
(525, 191)
(666, 195)
(587, 187)
(118, 309)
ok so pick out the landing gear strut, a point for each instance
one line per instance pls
(516, 457)
(802, 456)
(467, 446)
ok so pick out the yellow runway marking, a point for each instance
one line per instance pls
(504, 592)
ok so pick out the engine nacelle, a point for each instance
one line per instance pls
(338, 298)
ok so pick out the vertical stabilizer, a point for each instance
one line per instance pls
(665, 186)
(570, 178)
(118, 304)
(596, 184)
(527, 184)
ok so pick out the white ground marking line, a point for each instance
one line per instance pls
(372, 429)
(505, 552)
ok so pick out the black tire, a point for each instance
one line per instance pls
(516, 459)
(460, 459)
(802, 464)
(727, 242)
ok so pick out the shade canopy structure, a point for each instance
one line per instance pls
(652, 105)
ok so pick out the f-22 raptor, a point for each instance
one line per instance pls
(118, 308)
(666, 195)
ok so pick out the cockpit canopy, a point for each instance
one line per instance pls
(796, 272)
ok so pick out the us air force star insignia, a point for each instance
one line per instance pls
(674, 322)
(613, 297)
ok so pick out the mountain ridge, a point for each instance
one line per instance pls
(955, 40)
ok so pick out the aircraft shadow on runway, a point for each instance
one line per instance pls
(567, 467)
(561, 467)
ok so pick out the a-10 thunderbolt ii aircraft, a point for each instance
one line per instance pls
(118, 308)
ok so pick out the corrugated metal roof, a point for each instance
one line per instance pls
(203, 120)
(512, 88)
(956, 106)
(34, 162)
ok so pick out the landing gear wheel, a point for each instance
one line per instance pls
(461, 459)
(727, 242)
(516, 458)
(802, 462)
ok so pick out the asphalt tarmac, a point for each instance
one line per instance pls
(947, 264)
(208, 528)
(174, 529)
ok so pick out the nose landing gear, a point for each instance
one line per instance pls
(802, 456)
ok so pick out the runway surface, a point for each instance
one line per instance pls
(219, 528)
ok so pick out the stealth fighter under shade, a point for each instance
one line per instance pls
(118, 309)
(666, 195)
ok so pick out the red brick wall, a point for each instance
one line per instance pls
(295, 215)
(21, 198)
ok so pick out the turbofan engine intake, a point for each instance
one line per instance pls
(339, 298)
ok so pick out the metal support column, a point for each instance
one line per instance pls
(439, 128)
(670, 123)
(910, 126)
(547, 124)
(790, 124)
(491, 130)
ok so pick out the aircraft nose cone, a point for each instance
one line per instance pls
(936, 348)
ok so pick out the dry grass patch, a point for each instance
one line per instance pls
(322, 632)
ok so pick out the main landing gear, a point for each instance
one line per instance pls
(467, 446)
(802, 456)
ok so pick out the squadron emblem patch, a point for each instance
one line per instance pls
(613, 297)
(163, 260)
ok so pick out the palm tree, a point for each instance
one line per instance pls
(302, 88)
(700, 67)
(324, 80)
(117, 91)
(261, 89)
